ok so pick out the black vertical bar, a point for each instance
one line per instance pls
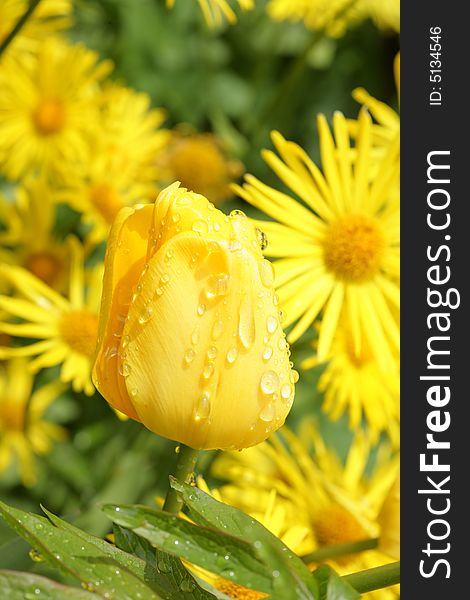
(434, 109)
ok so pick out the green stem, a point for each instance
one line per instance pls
(187, 458)
(375, 579)
(340, 550)
(19, 24)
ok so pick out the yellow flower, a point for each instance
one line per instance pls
(334, 16)
(120, 169)
(215, 11)
(199, 163)
(48, 107)
(190, 342)
(339, 254)
(66, 328)
(27, 238)
(389, 521)
(335, 502)
(388, 121)
(355, 382)
(49, 16)
(23, 430)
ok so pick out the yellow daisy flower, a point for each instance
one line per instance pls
(48, 17)
(200, 164)
(216, 11)
(48, 107)
(388, 121)
(23, 430)
(355, 383)
(335, 501)
(331, 16)
(339, 254)
(385, 14)
(27, 237)
(121, 168)
(65, 327)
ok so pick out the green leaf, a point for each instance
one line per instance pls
(290, 571)
(332, 586)
(16, 585)
(178, 582)
(98, 565)
(214, 550)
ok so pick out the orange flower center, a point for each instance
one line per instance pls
(199, 165)
(46, 266)
(49, 117)
(336, 525)
(12, 415)
(79, 329)
(237, 592)
(106, 200)
(353, 248)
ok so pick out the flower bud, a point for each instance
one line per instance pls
(190, 340)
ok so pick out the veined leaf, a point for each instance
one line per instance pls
(208, 511)
(16, 585)
(221, 553)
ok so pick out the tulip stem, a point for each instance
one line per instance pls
(187, 458)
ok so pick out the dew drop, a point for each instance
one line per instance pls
(275, 299)
(195, 336)
(208, 371)
(159, 291)
(165, 278)
(267, 414)
(125, 369)
(178, 449)
(201, 309)
(176, 217)
(294, 376)
(282, 344)
(217, 285)
(134, 392)
(268, 352)
(35, 556)
(237, 213)
(203, 407)
(145, 315)
(125, 341)
(200, 227)
(266, 273)
(212, 352)
(269, 382)
(189, 356)
(216, 226)
(186, 585)
(271, 324)
(232, 355)
(286, 391)
(169, 254)
(217, 329)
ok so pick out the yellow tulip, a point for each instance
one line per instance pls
(190, 340)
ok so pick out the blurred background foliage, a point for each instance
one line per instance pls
(240, 82)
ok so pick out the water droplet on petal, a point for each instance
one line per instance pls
(294, 376)
(125, 369)
(266, 273)
(145, 315)
(271, 324)
(267, 413)
(165, 278)
(134, 392)
(216, 226)
(208, 370)
(286, 391)
(217, 285)
(232, 355)
(189, 356)
(176, 217)
(195, 336)
(282, 344)
(268, 352)
(269, 382)
(217, 329)
(237, 213)
(125, 341)
(201, 309)
(200, 227)
(212, 352)
(203, 407)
